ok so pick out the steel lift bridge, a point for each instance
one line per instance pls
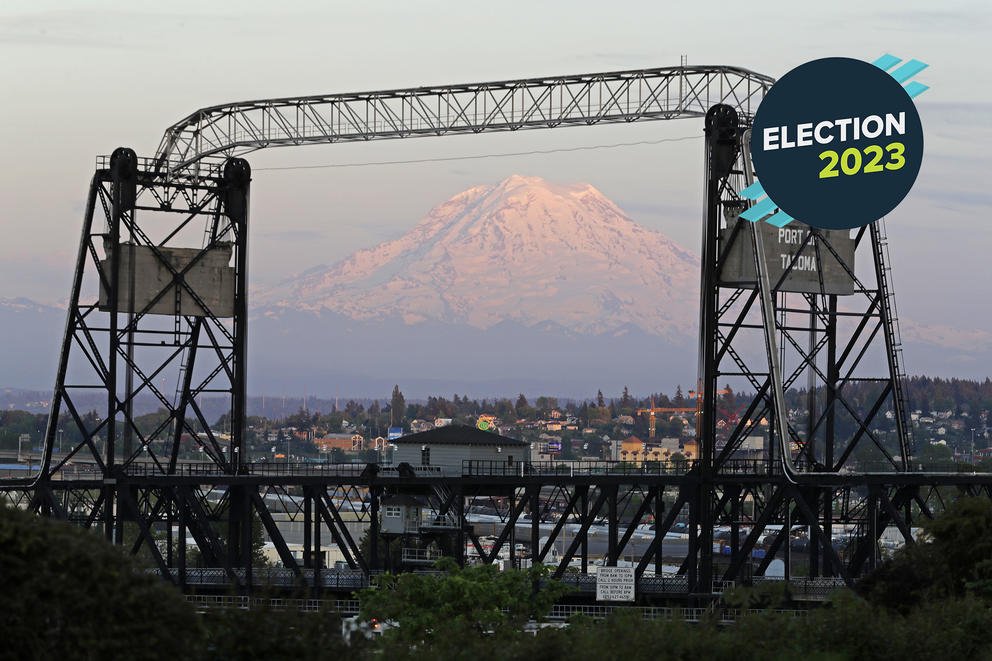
(159, 296)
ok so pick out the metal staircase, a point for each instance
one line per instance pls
(893, 339)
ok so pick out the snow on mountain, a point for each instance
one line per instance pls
(524, 250)
(522, 286)
(948, 337)
(21, 304)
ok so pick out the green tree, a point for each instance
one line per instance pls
(527, 412)
(729, 400)
(505, 410)
(460, 608)
(266, 633)
(397, 407)
(387, 550)
(521, 405)
(220, 520)
(67, 594)
(953, 558)
(545, 404)
(935, 454)
(15, 423)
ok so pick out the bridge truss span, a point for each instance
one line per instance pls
(160, 298)
(509, 105)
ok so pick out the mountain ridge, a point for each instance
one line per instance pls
(521, 285)
(523, 249)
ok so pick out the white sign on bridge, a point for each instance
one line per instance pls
(615, 584)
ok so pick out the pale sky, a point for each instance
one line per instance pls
(78, 82)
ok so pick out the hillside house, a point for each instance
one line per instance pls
(448, 448)
(418, 425)
(329, 442)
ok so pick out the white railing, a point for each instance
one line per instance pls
(419, 555)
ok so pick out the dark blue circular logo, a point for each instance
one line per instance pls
(837, 143)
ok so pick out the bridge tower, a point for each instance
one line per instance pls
(158, 308)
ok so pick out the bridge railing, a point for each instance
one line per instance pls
(800, 589)
(470, 468)
(479, 468)
(281, 577)
(664, 584)
(808, 589)
(277, 469)
(559, 612)
(241, 602)
(492, 468)
(419, 555)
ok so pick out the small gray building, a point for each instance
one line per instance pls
(447, 448)
(401, 514)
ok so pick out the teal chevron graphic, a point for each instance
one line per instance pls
(904, 73)
(886, 62)
(763, 208)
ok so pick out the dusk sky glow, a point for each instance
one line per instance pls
(80, 82)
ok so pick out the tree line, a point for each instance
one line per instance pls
(374, 417)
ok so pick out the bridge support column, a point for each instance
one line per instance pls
(613, 525)
(584, 513)
(375, 494)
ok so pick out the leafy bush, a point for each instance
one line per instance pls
(66, 593)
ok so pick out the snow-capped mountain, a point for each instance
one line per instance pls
(522, 286)
(524, 250)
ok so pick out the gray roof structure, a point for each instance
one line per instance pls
(402, 499)
(458, 435)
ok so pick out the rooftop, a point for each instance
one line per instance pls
(458, 435)
(402, 499)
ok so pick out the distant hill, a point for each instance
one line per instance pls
(30, 336)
